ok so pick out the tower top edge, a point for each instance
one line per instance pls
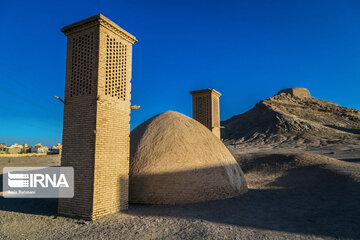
(98, 19)
(208, 90)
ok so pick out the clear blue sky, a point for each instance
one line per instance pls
(247, 50)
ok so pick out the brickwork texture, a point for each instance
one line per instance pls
(206, 109)
(96, 117)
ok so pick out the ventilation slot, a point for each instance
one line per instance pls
(82, 65)
(115, 81)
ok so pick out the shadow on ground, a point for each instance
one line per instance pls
(329, 208)
(355, 160)
(38, 206)
(349, 130)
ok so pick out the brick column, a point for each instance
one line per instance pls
(96, 117)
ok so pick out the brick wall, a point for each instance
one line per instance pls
(96, 117)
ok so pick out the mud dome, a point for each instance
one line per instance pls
(175, 159)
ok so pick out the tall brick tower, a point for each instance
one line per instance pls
(206, 109)
(96, 117)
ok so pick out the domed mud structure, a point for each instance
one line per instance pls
(175, 159)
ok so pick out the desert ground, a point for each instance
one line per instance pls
(292, 195)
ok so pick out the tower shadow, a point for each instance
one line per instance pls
(329, 206)
(38, 206)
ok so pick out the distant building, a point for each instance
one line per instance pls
(16, 146)
(38, 148)
(26, 148)
(56, 149)
(11, 150)
(2, 147)
(14, 149)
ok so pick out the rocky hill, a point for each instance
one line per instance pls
(294, 117)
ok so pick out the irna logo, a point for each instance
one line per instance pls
(18, 180)
(47, 182)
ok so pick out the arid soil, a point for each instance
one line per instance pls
(291, 196)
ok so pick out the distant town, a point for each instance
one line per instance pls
(26, 149)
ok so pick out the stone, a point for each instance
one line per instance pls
(297, 92)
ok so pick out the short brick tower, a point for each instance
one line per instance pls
(206, 109)
(96, 117)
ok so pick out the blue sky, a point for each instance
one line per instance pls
(247, 50)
